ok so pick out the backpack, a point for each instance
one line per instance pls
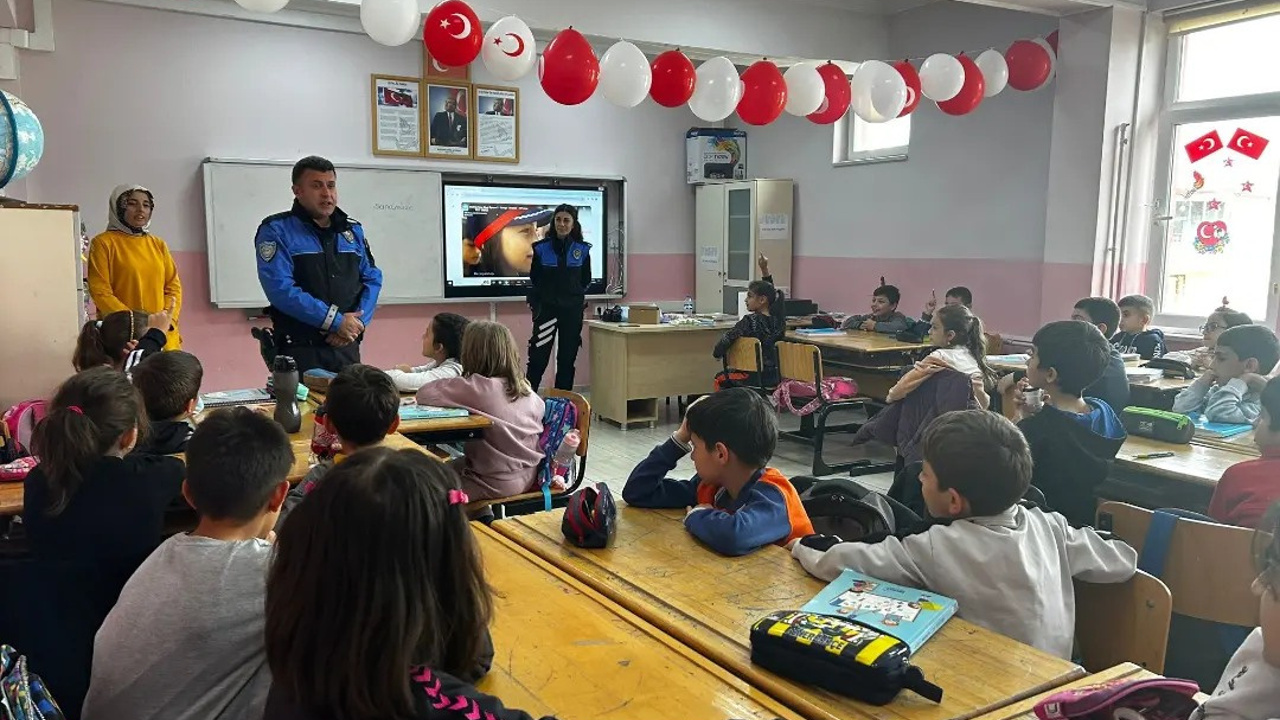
(20, 421)
(23, 695)
(839, 506)
(591, 517)
(559, 416)
(833, 389)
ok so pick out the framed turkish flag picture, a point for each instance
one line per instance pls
(432, 69)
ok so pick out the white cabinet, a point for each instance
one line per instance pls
(43, 298)
(734, 222)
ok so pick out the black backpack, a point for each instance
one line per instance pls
(839, 506)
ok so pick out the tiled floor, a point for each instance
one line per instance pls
(613, 453)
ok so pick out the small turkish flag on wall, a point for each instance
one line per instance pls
(432, 68)
(1246, 143)
(1204, 146)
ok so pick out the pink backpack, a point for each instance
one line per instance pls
(21, 419)
(833, 389)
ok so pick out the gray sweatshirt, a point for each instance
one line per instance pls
(1231, 402)
(1249, 688)
(185, 639)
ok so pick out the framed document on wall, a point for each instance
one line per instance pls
(395, 109)
(449, 130)
(497, 122)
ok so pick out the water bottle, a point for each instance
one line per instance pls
(284, 382)
(688, 304)
(562, 463)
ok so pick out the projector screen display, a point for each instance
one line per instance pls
(489, 232)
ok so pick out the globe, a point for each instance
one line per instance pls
(21, 139)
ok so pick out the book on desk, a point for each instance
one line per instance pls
(912, 616)
(430, 412)
(1206, 429)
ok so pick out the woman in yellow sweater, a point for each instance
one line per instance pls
(131, 269)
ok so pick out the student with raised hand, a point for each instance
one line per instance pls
(884, 316)
(736, 503)
(1230, 390)
(93, 512)
(347, 637)
(958, 295)
(184, 641)
(766, 321)
(1009, 567)
(120, 340)
(442, 345)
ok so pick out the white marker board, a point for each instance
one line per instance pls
(399, 209)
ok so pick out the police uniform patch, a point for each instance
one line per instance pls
(267, 250)
(577, 253)
(349, 235)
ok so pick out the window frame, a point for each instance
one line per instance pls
(843, 154)
(1172, 114)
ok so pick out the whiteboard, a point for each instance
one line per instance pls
(399, 209)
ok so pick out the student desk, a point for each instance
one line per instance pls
(874, 360)
(634, 365)
(434, 430)
(658, 571)
(1185, 480)
(564, 649)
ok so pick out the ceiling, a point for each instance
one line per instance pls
(1044, 7)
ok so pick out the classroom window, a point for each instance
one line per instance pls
(858, 141)
(1216, 227)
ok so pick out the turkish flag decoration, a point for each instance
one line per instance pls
(433, 68)
(1204, 146)
(1246, 143)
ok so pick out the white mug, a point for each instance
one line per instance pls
(1034, 398)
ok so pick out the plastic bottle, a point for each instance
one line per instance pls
(284, 383)
(562, 463)
(688, 304)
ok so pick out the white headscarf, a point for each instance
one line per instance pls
(114, 211)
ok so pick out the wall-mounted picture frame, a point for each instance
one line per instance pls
(395, 112)
(433, 70)
(497, 123)
(449, 127)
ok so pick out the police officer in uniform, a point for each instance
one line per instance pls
(558, 280)
(318, 273)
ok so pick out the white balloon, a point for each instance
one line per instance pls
(508, 50)
(879, 92)
(805, 89)
(391, 22)
(1053, 58)
(995, 71)
(266, 6)
(717, 90)
(941, 77)
(625, 75)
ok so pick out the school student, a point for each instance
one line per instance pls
(120, 340)
(1221, 320)
(362, 408)
(1074, 439)
(736, 504)
(962, 346)
(884, 316)
(1229, 391)
(1112, 387)
(184, 641)
(169, 383)
(346, 635)
(93, 512)
(442, 345)
(1248, 488)
(958, 295)
(1250, 685)
(766, 321)
(503, 462)
(1009, 567)
(1135, 336)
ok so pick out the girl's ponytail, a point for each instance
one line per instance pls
(969, 334)
(103, 342)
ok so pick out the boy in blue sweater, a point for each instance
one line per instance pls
(736, 504)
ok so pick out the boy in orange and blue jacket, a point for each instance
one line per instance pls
(736, 504)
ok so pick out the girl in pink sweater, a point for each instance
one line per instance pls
(503, 462)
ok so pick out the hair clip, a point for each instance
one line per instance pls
(75, 409)
(458, 497)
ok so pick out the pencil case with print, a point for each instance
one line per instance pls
(1162, 425)
(835, 654)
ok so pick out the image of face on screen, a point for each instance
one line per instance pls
(498, 240)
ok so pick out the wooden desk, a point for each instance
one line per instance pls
(860, 341)
(564, 649)
(1025, 709)
(433, 430)
(632, 366)
(658, 571)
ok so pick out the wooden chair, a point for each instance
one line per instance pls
(995, 343)
(1123, 622)
(531, 502)
(803, 363)
(746, 355)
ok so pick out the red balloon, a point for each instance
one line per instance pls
(764, 94)
(1029, 65)
(839, 94)
(673, 79)
(912, 79)
(1053, 40)
(569, 69)
(452, 33)
(971, 92)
